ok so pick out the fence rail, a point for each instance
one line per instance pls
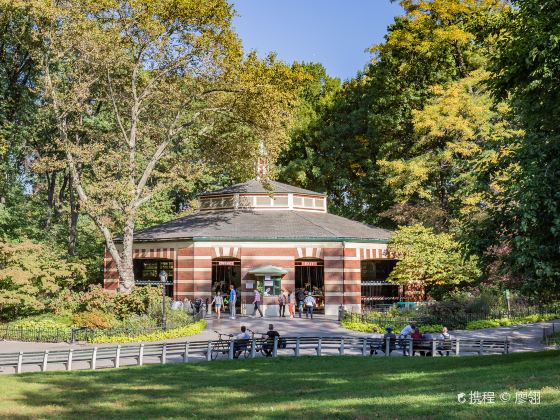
(161, 353)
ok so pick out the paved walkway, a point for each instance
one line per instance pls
(524, 337)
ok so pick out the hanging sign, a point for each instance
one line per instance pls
(226, 262)
(268, 283)
(309, 263)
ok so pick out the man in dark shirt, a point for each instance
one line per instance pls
(269, 345)
(300, 296)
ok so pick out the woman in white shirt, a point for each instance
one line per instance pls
(218, 302)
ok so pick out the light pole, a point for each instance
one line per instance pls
(163, 279)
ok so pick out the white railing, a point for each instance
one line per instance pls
(150, 353)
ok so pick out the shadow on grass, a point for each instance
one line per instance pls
(344, 387)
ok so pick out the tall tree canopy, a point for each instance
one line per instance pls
(143, 94)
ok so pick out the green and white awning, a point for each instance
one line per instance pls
(268, 270)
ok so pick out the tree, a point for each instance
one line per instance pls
(527, 69)
(452, 168)
(30, 275)
(142, 91)
(433, 259)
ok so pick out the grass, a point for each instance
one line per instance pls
(306, 387)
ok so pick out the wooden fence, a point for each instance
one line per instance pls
(140, 354)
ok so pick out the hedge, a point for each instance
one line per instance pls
(505, 322)
(188, 330)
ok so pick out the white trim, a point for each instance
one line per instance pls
(205, 269)
(256, 244)
(340, 270)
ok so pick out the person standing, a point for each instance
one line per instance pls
(309, 305)
(257, 303)
(232, 301)
(300, 296)
(291, 303)
(282, 304)
(218, 302)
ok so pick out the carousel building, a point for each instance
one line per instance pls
(272, 237)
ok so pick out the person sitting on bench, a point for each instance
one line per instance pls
(268, 347)
(240, 346)
(389, 335)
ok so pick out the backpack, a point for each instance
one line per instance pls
(309, 301)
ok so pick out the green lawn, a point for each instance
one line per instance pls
(343, 387)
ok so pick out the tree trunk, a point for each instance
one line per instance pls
(126, 271)
(72, 220)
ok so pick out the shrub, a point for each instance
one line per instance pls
(96, 299)
(191, 329)
(95, 319)
(137, 302)
(45, 321)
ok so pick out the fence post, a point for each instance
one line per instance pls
(319, 347)
(164, 354)
(45, 361)
(457, 347)
(253, 348)
(94, 358)
(19, 362)
(341, 349)
(481, 348)
(230, 350)
(118, 357)
(387, 346)
(410, 347)
(434, 343)
(69, 362)
(186, 353)
(297, 347)
(141, 355)
(364, 344)
(275, 347)
(209, 351)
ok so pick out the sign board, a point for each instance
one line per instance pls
(268, 283)
(226, 262)
(249, 285)
(309, 263)
(266, 278)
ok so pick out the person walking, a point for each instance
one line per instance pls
(218, 302)
(282, 304)
(291, 303)
(309, 305)
(300, 296)
(257, 303)
(232, 301)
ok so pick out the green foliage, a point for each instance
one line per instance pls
(95, 319)
(192, 329)
(433, 259)
(526, 221)
(45, 321)
(369, 327)
(505, 322)
(31, 275)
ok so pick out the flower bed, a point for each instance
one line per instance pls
(505, 322)
(368, 327)
(184, 331)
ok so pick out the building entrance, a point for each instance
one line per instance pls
(310, 277)
(226, 271)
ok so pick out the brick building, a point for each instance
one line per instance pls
(273, 238)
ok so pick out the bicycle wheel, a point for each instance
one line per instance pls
(215, 353)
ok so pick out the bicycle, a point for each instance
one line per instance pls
(240, 347)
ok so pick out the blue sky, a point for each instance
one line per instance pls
(335, 33)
